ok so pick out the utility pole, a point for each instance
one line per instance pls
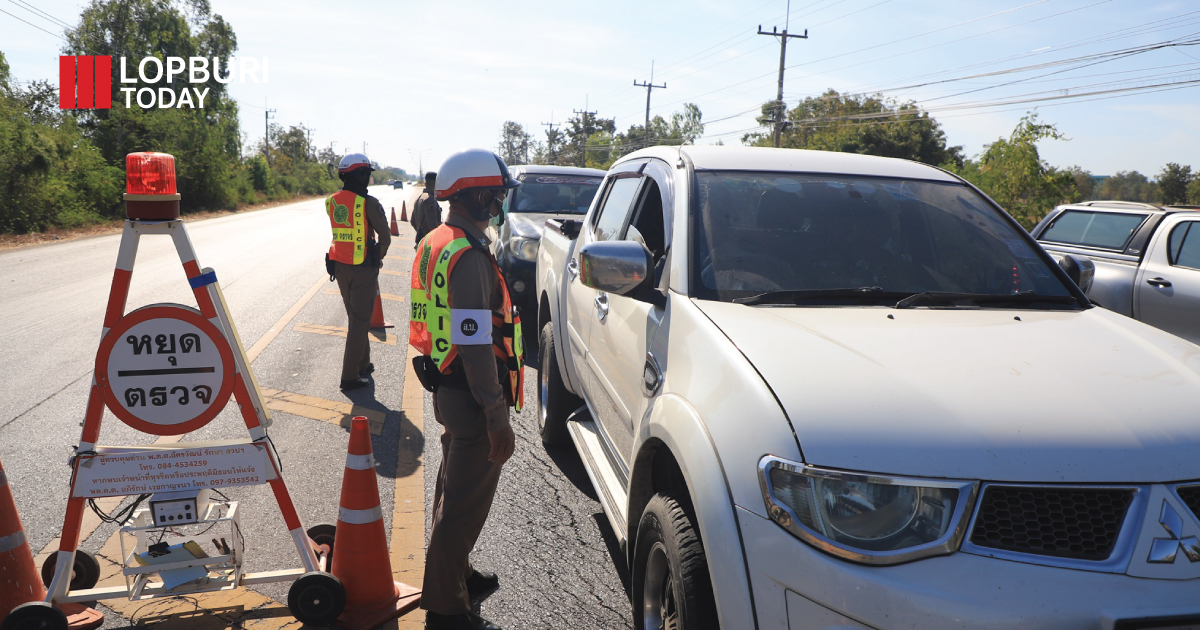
(550, 137)
(588, 123)
(780, 109)
(649, 87)
(267, 133)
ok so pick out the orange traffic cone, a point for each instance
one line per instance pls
(395, 228)
(361, 560)
(20, 585)
(377, 320)
(403, 211)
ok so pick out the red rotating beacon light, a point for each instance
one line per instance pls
(150, 193)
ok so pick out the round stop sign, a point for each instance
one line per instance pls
(165, 369)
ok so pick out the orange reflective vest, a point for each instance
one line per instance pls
(348, 219)
(431, 325)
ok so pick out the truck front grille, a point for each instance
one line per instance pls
(1079, 523)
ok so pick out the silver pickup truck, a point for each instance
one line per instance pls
(1147, 258)
(821, 390)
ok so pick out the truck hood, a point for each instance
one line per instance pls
(1001, 395)
(530, 224)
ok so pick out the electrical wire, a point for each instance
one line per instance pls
(121, 517)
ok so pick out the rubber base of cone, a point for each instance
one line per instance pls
(407, 600)
(80, 617)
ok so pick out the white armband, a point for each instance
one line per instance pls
(470, 326)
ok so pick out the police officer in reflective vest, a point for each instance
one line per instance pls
(469, 337)
(355, 256)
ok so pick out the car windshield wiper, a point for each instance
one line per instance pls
(871, 294)
(1022, 298)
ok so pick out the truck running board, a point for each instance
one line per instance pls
(608, 484)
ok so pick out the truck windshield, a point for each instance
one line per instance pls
(562, 194)
(879, 238)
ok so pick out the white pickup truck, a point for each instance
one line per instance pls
(823, 390)
(1146, 257)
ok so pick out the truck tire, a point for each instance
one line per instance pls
(671, 584)
(555, 403)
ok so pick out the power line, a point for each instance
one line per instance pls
(30, 7)
(33, 25)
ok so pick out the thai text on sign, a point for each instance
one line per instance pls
(117, 471)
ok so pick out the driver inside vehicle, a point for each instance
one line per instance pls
(544, 199)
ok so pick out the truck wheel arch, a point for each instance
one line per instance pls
(677, 455)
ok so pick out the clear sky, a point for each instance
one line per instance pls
(424, 79)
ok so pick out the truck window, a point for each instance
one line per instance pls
(612, 216)
(758, 232)
(1183, 249)
(1102, 230)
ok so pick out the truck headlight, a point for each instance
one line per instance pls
(523, 248)
(867, 518)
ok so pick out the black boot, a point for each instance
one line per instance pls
(481, 583)
(465, 621)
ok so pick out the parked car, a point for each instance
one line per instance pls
(546, 192)
(819, 390)
(1147, 258)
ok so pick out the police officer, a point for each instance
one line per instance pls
(360, 241)
(427, 214)
(467, 332)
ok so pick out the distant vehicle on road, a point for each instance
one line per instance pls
(397, 184)
(819, 390)
(1147, 258)
(546, 192)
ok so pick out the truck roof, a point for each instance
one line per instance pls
(1119, 206)
(557, 170)
(795, 160)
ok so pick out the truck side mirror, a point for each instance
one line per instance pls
(1080, 269)
(614, 266)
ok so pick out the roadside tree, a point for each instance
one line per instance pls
(872, 125)
(1012, 172)
(1173, 183)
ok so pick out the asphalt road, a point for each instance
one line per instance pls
(547, 537)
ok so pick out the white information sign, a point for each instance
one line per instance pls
(118, 471)
(166, 369)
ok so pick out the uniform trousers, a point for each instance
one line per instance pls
(466, 485)
(358, 284)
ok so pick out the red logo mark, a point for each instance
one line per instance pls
(85, 82)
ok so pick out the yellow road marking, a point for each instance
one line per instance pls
(340, 331)
(408, 512)
(274, 331)
(404, 258)
(389, 272)
(331, 411)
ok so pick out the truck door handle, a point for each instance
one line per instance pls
(1158, 282)
(573, 268)
(602, 306)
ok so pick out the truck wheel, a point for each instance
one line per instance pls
(555, 403)
(671, 585)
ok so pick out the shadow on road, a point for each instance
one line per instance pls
(567, 460)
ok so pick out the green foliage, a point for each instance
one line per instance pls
(1012, 172)
(515, 143)
(53, 176)
(1193, 191)
(871, 125)
(1129, 186)
(1173, 183)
